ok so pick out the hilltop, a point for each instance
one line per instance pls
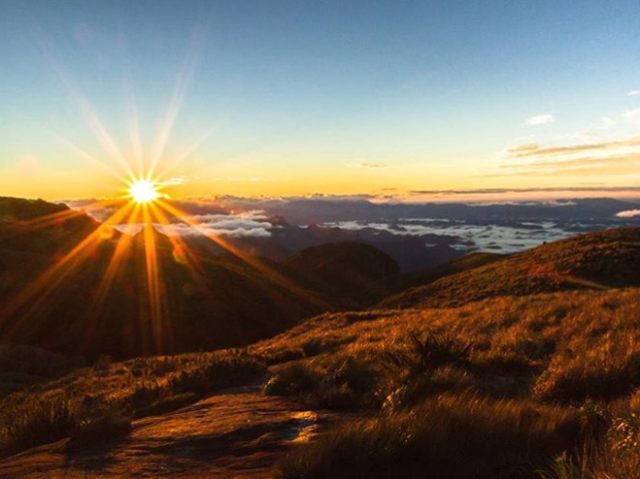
(601, 260)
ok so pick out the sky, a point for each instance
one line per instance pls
(280, 98)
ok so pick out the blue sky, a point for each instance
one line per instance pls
(295, 97)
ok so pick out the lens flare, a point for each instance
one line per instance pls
(144, 191)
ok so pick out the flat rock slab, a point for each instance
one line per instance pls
(237, 433)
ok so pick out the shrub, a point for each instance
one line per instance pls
(296, 378)
(426, 355)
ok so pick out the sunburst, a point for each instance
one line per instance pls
(144, 191)
(144, 200)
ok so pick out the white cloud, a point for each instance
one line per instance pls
(634, 93)
(607, 122)
(632, 116)
(628, 214)
(176, 180)
(539, 120)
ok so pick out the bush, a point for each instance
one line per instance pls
(426, 355)
(293, 379)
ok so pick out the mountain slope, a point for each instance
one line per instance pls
(353, 271)
(117, 296)
(596, 260)
(100, 299)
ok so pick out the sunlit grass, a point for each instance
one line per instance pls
(84, 402)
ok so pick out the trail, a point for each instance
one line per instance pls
(237, 433)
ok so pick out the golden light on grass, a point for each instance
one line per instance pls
(144, 191)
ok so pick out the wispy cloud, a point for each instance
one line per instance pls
(533, 149)
(241, 179)
(634, 93)
(178, 180)
(539, 120)
(492, 191)
(632, 116)
(580, 162)
(364, 164)
(607, 122)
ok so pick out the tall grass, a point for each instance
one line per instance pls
(448, 437)
(98, 401)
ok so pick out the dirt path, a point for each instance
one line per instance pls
(237, 433)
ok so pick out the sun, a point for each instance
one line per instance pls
(144, 191)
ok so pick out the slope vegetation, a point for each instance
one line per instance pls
(591, 261)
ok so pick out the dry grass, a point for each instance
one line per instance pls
(567, 346)
(98, 401)
(451, 437)
(603, 259)
(565, 351)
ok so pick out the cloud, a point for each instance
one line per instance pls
(533, 149)
(365, 165)
(632, 116)
(237, 179)
(608, 122)
(247, 224)
(239, 232)
(634, 93)
(523, 148)
(539, 120)
(177, 180)
(582, 166)
(628, 214)
(493, 191)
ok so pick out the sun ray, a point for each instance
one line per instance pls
(134, 129)
(181, 87)
(176, 160)
(181, 251)
(155, 285)
(90, 158)
(40, 289)
(101, 293)
(124, 242)
(252, 261)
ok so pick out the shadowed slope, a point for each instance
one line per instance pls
(353, 271)
(89, 307)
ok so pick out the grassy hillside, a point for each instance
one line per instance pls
(98, 402)
(594, 261)
(533, 378)
(527, 382)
